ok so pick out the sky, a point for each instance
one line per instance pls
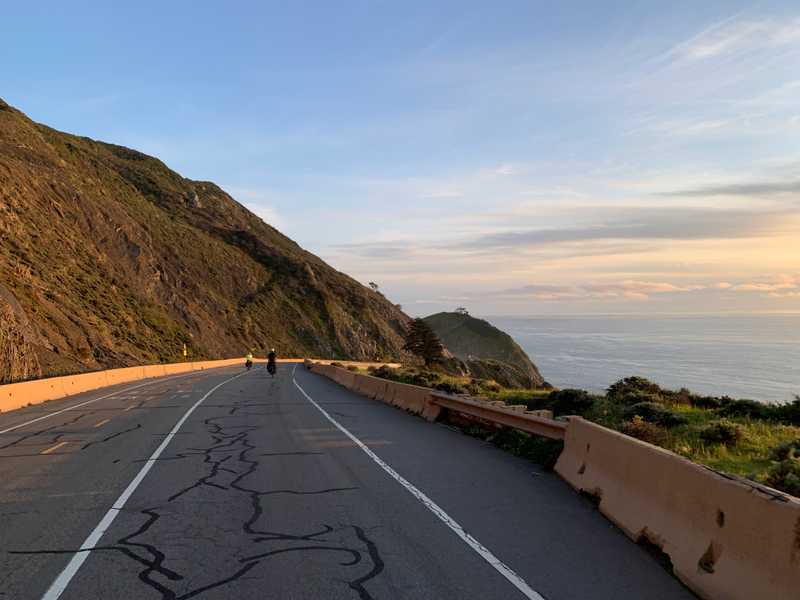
(511, 157)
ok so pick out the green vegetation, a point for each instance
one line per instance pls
(422, 341)
(740, 437)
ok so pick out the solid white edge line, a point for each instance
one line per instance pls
(63, 410)
(506, 571)
(62, 581)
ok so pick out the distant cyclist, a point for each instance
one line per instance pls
(272, 359)
(248, 361)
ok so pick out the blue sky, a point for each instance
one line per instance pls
(513, 157)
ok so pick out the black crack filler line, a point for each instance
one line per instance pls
(228, 465)
(111, 437)
(34, 434)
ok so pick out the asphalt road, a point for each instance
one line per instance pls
(234, 485)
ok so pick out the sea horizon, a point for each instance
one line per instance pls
(742, 355)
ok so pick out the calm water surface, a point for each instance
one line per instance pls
(754, 357)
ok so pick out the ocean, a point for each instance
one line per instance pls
(742, 356)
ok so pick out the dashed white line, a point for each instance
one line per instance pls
(62, 581)
(479, 548)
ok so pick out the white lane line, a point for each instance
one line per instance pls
(506, 571)
(58, 412)
(62, 581)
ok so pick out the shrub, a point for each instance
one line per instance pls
(642, 430)
(423, 378)
(536, 449)
(785, 476)
(450, 388)
(746, 408)
(385, 372)
(788, 413)
(682, 396)
(652, 412)
(352, 368)
(473, 389)
(489, 386)
(722, 432)
(570, 402)
(541, 450)
(786, 451)
(337, 364)
(633, 390)
(707, 402)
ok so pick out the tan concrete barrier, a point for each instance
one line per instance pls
(727, 538)
(408, 397)
(353, 363)
(500, 413)
(17, 395)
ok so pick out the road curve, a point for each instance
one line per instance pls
(228, 484)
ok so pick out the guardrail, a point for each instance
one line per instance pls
(499, 413)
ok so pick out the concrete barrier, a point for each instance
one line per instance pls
(498, 413)
(412, 398)
(17, 395)
(727, 538)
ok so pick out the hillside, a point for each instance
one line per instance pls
(488, 352)
(108, 258)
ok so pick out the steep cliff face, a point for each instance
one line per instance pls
(17, 358)
(108, 258)
(488, 352)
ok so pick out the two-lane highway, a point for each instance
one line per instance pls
(234, 485)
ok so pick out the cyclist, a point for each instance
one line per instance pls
(248, 361)
(271, 362)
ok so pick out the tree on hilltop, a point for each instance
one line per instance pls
(422, 341)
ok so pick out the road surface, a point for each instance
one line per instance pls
(228, 484)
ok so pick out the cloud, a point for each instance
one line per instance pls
(754, 188)
(261, 202)
(398, 250)
(643, 223)
(627, 290)
(784, 286)
(779, 286)
(735, 36)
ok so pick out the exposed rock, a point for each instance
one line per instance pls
(17, 357)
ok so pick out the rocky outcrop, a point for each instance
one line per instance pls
(488, 352)
(507, 375)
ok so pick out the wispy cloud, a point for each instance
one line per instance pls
(778, 286)
(628, 289)
(787, 286)
(755, 188)
(737, 35)
(643, 224)
(262, 203)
